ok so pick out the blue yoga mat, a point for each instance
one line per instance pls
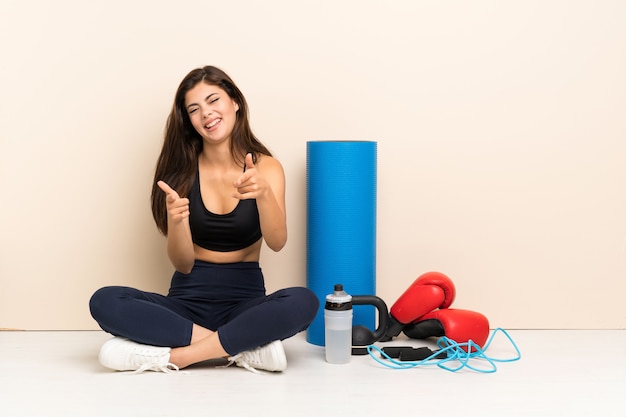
(341, 225)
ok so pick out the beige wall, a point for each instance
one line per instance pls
(501, 136)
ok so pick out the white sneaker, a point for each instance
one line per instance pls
(270, 357)
(125, 355)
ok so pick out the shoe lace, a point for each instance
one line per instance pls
(246, 360)
(153, 363)
(158, 367)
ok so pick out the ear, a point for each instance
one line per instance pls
(236, 106)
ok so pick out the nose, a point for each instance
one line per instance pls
(207, 112)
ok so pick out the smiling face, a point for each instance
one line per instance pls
(212, 112)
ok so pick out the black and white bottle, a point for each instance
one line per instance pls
(338, 326)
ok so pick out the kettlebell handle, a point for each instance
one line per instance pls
(383, 312)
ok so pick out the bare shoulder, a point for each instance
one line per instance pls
(270, 164)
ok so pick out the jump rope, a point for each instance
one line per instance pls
(451, 356)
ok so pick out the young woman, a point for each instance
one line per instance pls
(218, 193)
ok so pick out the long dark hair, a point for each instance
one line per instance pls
(178, 162)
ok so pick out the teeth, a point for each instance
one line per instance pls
(213, 123)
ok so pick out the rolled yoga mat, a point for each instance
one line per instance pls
(341, 225)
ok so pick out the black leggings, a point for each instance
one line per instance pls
(227, 298)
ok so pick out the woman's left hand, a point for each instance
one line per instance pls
(250, 184)
(266, 183)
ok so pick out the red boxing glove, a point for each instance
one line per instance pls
(430, 291)
(458, 325)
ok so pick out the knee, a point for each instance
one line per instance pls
(101, 302)
(306, 301)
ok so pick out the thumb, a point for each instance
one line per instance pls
(170, 193)
(249, 161)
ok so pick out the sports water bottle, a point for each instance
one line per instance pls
(338, 326)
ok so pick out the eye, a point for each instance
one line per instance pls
(192, 110)
(214, 100)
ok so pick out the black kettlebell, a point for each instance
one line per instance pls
(361, 335)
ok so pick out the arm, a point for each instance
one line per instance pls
(266, 183)
(179, 244)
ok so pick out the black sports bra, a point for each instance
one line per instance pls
(222, 232)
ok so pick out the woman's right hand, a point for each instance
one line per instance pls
(177, 208)
(180, 248)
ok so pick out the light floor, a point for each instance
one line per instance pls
(561, 373)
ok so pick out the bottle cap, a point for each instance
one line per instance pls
(339, 299)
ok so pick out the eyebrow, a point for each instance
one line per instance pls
(205, 99)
